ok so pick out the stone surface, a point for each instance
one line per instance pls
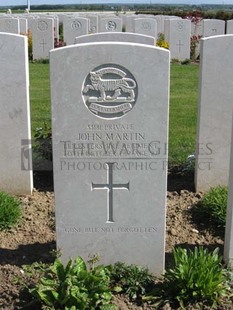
(229, 27)
(228, 240)
(74, 27)
(110, 24)
(116, 37)
(215, 112)
(42, 37)
(9, 25)
(109, 144)
(213, 27)
(23, 25)
(93, 24)
(15, 134)
(177, 34)
(146, 26)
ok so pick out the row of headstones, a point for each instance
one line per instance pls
(110, 135)
(177, 31)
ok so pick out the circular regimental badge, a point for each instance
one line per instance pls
(42, 25)
(111, 25)
(76, 25)
(110, 91)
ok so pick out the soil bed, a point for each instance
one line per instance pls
(34, 239)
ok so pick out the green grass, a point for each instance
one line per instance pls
(10, 211)
(183, 112)
(183, 106)
(39, 95)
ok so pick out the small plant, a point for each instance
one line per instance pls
(213, 205)
(10, 211)
(131, 280)
(194, 43)
(196, 276)
(185, 61)
(175, 61)
(59, 43)
(161, 41)
(43, 141)
(74, 287)
(30, 52)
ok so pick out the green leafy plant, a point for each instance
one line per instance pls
(161, 41)
(74, 287)
(213, 205)
(10, 211)
(196, 276)
(131, 280)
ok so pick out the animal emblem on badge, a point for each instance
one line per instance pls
(110, 91)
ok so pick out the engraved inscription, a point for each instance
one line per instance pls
(110, 91)
(110, 186)
(42, 25)
(76, 25)
(111, 25)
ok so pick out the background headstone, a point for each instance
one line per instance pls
(9, 25)
(229, 27)
(42, 37)
(146, 26)
(177, 34)
(15, 134)
(212, 27)
(215, 112)
(228, 240)
(116, 37)
(74, 27)
(109, 151)
(110, 24)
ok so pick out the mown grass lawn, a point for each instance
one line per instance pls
(183, 106)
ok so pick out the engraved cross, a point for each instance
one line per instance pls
(110, 186)
(179, 45)
(43, 43)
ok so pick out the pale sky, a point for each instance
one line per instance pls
(35, 2)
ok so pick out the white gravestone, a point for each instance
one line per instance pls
(229, 28)
(177, 34)
(146, 26)
(15, 133)
(23, 25)
(74, 27)
(9, 25)
(116, 37)
(228, 240)
(213, 27)
(129, 23)
(42, 37)
(93, 24)
(110, 127)
(110, 24)
(215, 112)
